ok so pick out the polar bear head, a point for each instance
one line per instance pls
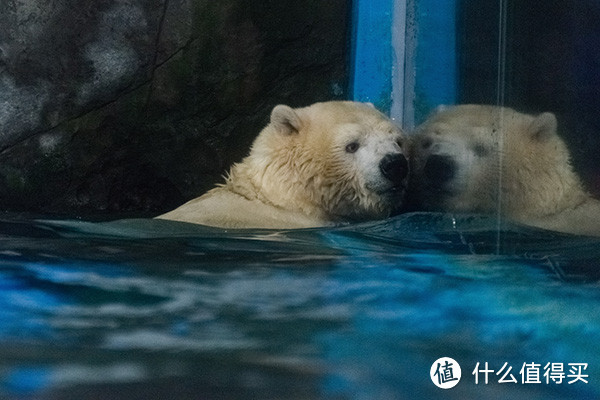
(338, 161)
(474, 158)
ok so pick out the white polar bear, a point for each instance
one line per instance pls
(474, 158)
(327, 163)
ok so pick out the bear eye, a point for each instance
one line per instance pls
(352, 147)
(480, 150)
(426, 143)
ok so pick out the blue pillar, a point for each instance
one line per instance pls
(372, 56)
(404, 57)
(435, 55)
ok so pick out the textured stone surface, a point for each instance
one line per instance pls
(138, 105)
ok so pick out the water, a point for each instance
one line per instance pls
(146, 309)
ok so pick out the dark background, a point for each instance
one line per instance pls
(123, 107)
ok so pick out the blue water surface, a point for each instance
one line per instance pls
(151, 309)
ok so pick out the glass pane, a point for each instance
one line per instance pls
(552, 63)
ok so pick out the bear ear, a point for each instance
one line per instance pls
(440, 108)
(370, 104)
(285, 119)
(544, 126)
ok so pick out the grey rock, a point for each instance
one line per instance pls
(134, 106)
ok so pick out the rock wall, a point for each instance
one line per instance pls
(134, 106)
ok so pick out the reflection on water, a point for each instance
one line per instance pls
(158, 309)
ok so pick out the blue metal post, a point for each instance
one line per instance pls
(404, 56)
(435, 60)
(372, 57)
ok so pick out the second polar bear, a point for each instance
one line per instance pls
(319, 165)
(475, 158)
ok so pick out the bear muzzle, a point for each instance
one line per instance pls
(394, 167)
(439, 170)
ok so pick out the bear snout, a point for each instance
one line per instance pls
(439, 169)
(394, 167)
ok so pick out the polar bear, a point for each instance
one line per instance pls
(327, 163)
(489, 159)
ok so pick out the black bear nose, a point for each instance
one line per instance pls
(394, 167)
(439, 169)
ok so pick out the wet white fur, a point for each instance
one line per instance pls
(299, 173)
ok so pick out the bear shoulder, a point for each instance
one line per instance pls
(581, 219)
(226, 209)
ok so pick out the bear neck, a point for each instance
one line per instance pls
(528, 195)
(255, 178)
